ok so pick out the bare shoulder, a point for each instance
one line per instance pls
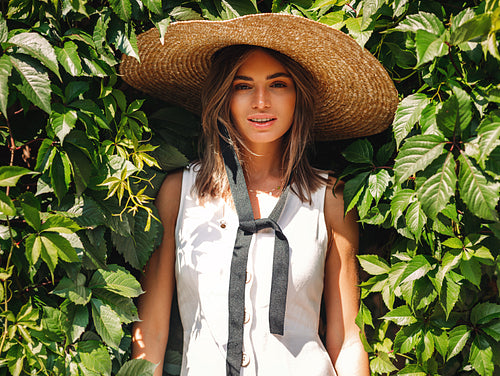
(338, 222)
(169, 196)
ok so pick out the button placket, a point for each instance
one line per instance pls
(245, 359)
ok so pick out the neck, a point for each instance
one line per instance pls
(263, 164)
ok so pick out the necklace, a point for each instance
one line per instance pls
(278, 188)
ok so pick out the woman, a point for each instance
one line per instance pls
(253, 234)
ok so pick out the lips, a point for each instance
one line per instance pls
(261, 120)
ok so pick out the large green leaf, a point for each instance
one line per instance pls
(457, 339)
(481, 356)
(75, 291)
(6, 205)
(493, 330)
(401, 316)
(4, 31)
(360, 151)
(60, 174)
(154, 6)
(407, 115)
(370, 7)
(137, 367)
(55, 243)
(429, 46)
(62, 120)
(489, 139)
(9, 175)
(123, 307)
(38, 47)
(422, 21)
(353, 189)
(378, 183)
(450, 292)
(373, 264)
(60, 224)
(5, 71)
(124, 38)
(436, 191)
(415, 219)
(456, 113)
(107, 323)
(480, 196)
(69, 59)
(416, 154)
(478, 26)
(94, 357)
(382, 364)
(400, 201)
(122, 8)
(35, 81)
(417, 268)
(116, 280)
(484, 313)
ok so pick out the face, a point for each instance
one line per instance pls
(262, 100)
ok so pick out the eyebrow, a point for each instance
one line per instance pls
(270, 77)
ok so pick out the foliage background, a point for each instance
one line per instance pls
(82, 154)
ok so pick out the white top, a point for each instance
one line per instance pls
(205, 237)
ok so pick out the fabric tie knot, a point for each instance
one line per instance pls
(247, 227)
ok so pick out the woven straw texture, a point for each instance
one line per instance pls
(356, 96)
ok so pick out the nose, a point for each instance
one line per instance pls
(261, 98)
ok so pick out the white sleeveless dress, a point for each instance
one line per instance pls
(205, 237)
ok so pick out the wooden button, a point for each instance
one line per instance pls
(245, 360)
(222, 223)
(246, 319)
(248, 277)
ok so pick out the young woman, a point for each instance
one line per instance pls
(254, 236)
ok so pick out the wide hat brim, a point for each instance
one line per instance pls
(355, 95)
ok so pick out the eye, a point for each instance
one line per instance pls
(241, 86)
(279, 84)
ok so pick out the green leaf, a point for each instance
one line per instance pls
(124, 38)
(60, 175)
(357, 31)
(441, 341)
(122, 8)
(60, 245)
(478, 26)
(415, 219)
(9, 175)
(154, 6)
(4, 30)
(95, 357)
(169, 157)
(480, 196)
(352, 190)
(407, 338)
(6, 205)
(38, 47)
(370, 7)
(5, 71)
(481, 356)
(401, 316)
(382, 364)
(437, 190)
(493, 330)
(400, 201)
(455, 114)
(407, 115)
(373, 264)
(123, 307)
(471, 270)
(137, 367)
(417, 268)
(421, 21)
(35, 81)
(47, 250)
(450, 292)
(69, 59)
(117, 280)
(484, 313)
(79, 319)
(378, 183)
(75, 291)
(63, 121)
(429, 47)
(489, 139)
(107, 323)
(61, 224)
(412, 370)
(416, 154)
(457, 339)
(360, 151)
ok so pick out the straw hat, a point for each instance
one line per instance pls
(356, 96)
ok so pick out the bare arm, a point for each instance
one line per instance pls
(149, 337)
(341, 293)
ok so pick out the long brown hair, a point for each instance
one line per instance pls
(211, 179)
